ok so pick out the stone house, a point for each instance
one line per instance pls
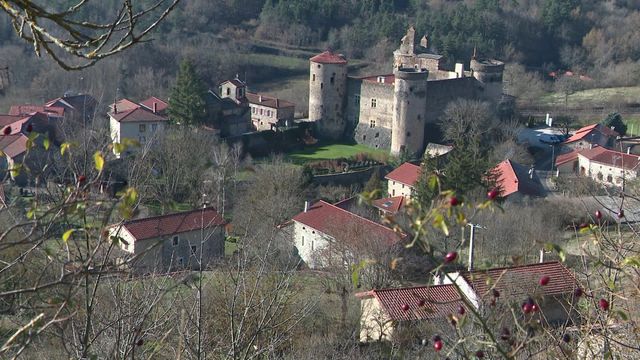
(386, 312)
(402, 180)
(515, 181)
(517, 283)
(172, 242)
(605, 166)
(326, 234)
(130, 120)
(589, 136)
(268, 112)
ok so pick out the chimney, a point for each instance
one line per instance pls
(155, 107)
(541, 255)
(629, 150)
(306, 206)
(259, 98)
(115, 107)
(277, 102)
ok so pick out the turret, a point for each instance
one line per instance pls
(328, 94)
(489, 74)
(410, 109)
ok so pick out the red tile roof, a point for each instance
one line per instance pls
(511, 177)
(30, 109)
(439, 301)
(138, 114)
(406, 173)
(13, 145)
(161, 105)
(268, 101)
(331, 220)
(387, 79)
(565, 158)
(523, 280)
(124, 105)
(166, 225)
(584, 132)
(9, 119)
(389, 204)
(16, 126)
(612, 158)
(329, 57)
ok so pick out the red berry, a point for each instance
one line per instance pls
(450, 257)
(461, 310)
(577, 292)
(535, 308)
(544, 280)
(81, 179)
(583, 225)
(437, 345)
(7, 130)
(527, 308)
(421, 303)
(495, 292)
(604, 304)
(29, 128)
(492, 194)
(598, 215)
(405, 307)
(479, 354)
(621, 214)
(453, 201)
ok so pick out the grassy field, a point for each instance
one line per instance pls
(594, 97)
(332, 151)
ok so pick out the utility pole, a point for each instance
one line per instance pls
(471, 238)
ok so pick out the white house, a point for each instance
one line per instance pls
(129, 120)
(402, 180)
(602, 165)
(172, 242)
(322, 230)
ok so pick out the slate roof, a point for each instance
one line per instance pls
(512, 177)
(439, 301)
(268, 101)
(406, 173)
(138, 114)
(389, 204)
(167, 225)
(329, 57)
(332, 220)
(523, 280)
(612, 158)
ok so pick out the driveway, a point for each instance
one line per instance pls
(533, 136)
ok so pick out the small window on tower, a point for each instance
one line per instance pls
(374, 103)
(313, 77)
(372, 123)
(408, 134)
(321, 85)
(228, 91)
(357, 99)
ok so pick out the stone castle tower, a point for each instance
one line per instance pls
(489, 74)
(409, 110)
(328, 93)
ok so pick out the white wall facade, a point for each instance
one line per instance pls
(604, 173)
(141, 131)
(309, 242)
(395, 188)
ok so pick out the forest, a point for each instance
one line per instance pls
(268, 41)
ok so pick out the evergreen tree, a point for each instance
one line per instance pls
(431, 180)
(187, 103)
(614, 120)
(465, 171)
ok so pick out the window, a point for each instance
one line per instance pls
(302, 240)
(377, 135)
(599, 176)
(393, 192)
(154, 127)
(261, 111)
(373, 103)
(319, 66)
(142, 127)
(194, 250)
(408, 134)
(332, 78)
(228, 91)
(609, 178)
(372, 123)
(311, 244)
(321, 85)
(313, 77)
(175, 241)
(142, 139)
(356, 99)
(180, 261)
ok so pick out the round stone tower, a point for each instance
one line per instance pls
(489, 74)
(409, 110)
(328, 94)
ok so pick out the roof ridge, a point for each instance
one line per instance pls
(516, 267)
(415, 287)
(168, 215)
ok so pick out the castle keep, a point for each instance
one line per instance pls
(395, 111)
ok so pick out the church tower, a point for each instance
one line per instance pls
(328, 94)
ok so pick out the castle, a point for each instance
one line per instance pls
(395, 111)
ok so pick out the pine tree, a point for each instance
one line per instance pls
(431, 180)
(187, 103)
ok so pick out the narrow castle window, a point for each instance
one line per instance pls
(357, 99)
(228, 91)
(333, 78)
(408, 134)
(313, 77)
(373, 103)
(321, 85)
(372, 123)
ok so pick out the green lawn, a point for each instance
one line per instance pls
(332, 151)
(593, 97)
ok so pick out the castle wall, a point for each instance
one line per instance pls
(441, 93)
(371, 124)
(409, 102)
(327, 98)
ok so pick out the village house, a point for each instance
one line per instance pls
(141, 123)
(14, 147)
(518, 283)
(402, 180)
(589, 136)
(229, 109)
(267, 112)
(605, 166)
(386, 312)
(515, 181)
(325, 232)
(172, 242)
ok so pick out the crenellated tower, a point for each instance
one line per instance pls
(409, 110)
(328, 94)
(489, 74)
